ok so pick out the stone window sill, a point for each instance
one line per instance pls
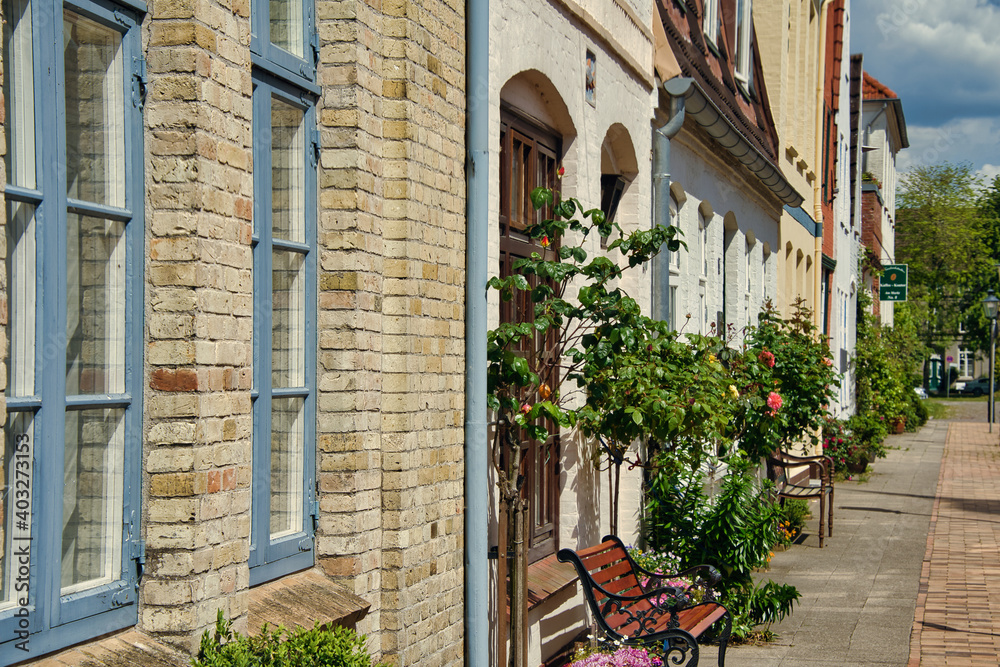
(546, 578)
(298, 599)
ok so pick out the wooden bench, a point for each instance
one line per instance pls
(815, 481)
(632, 606)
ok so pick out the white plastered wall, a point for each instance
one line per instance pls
(738, 209)
(538, 54)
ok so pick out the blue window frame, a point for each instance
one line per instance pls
(283, 40)
(69, 554)
(283, 518)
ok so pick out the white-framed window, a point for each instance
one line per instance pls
(741, 51)
(966, 363)
(703, 239)
(675, 255)
(764, 278)
(672, 308)
(285, 146)
(710, 20)
(74, 239)
(747, 266)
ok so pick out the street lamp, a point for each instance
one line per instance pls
(991, 306)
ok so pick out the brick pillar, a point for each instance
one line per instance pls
(199, 306)
(391, 372)
(349, 440)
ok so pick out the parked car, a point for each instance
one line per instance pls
(920, 392)
(977, 387)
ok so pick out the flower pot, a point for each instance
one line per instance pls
(898, 425)
(857, 467)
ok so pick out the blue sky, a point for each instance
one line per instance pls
(942, 57)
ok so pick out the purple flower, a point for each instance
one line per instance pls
(623, 657)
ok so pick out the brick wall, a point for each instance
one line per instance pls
(197, 447)
(391, 364)
(871, 221)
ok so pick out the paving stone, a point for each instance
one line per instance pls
(906, 578)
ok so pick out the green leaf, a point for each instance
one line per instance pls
(566, 209)
(541, 197)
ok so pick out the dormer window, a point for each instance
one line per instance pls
(744, 16)
(710, 19)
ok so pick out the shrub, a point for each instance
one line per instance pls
(317, 647)
(794, 513)
(787, 378)
(736, 534)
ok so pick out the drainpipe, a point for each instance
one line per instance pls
(676, 90)
(477, 172)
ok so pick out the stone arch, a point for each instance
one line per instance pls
(619, 168)
(705, 208)
(534, 96)
(618, 153)
(677, 190)
(729, 222)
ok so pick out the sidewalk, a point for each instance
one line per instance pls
(860, 593)
(958, 607)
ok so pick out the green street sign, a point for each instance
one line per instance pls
(892, 285)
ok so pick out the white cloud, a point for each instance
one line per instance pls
(941, 59)
(975, 140)
(989, 172)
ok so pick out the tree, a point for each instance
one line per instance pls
(561, 339)
(943, 235)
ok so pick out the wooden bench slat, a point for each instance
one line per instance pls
(607, 566)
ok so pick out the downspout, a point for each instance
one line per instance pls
(477, 172)
(663, 132)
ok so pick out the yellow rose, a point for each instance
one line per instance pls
(733, 391)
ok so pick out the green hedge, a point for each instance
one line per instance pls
(320, 646)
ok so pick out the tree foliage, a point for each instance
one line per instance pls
(944, 235)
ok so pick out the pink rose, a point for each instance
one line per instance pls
(766, 358)
(774, 402)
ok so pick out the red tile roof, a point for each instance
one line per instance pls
(876, 90)
(751, 116)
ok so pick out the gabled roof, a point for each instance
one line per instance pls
(873, 89)
(710, 68)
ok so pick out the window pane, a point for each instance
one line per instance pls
(287, 424)
(15, 503)
(92, 499)
(95, 306)
(288, 319)
(19, 93)
(20, 232)
(287, 171)
(286, 25)
(95, 112)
